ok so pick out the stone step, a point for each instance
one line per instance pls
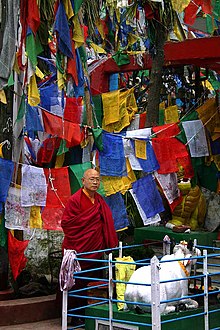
(27, 310)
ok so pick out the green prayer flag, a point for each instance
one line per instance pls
(121, 58)
(97, 135)
(59, 62)
(210, 19)
(207, 176)
(98, 108)
(62, 148)
(11, 80)
(77, 172)
(33, 48)
(161, 117)
(213, 81)
(22, 108)
(3, 233)
(193, 115)
(101, 190)
(77, 5)
(82, 54)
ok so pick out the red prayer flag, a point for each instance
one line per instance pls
(58, 187)
(65, 129)
(73, 109)
(46, 152)
(52, 218)
(167, 130)
(58, 193)
(33, 17)
(142, 120)
(16, 255)
(165, 155)
(191, 10)
(71, 62)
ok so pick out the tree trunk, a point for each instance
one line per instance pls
(156, 77)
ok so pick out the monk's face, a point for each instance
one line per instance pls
(91, 180)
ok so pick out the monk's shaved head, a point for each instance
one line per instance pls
(91, 181)
(90, 173)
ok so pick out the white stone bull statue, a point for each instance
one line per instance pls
(170, 290)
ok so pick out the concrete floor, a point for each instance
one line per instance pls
(54, 324)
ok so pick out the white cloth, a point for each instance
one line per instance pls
(33, 186)
(146, 221)
(16, 216)
(196, 138)
(129, 152)
(135, 123)
(139, 133)
(169, 185)
(68, 267)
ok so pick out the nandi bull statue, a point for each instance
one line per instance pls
(177, 269)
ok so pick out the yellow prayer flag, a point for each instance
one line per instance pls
(97, 48)
(177, 32)
(140, 149)
(216, 159)
(68, 8)
(171, 114)
(39, 73)
(77, 32)
(3, 97)
(114, 184)
(1, 152)
(207, 84)
(35, 217)
(33, 92)
(132, 39)
(127, 110)
(59, 160)
(110, 102)
(100, 28)
(180, 5)
(209, 115)
(60, 80)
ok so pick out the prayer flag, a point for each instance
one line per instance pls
(63, 32)
(65, 129)
(117, 206)
(6, 172)
(112, 158)
(148, 195)
(16, 255)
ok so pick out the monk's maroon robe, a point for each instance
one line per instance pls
(87, 226)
